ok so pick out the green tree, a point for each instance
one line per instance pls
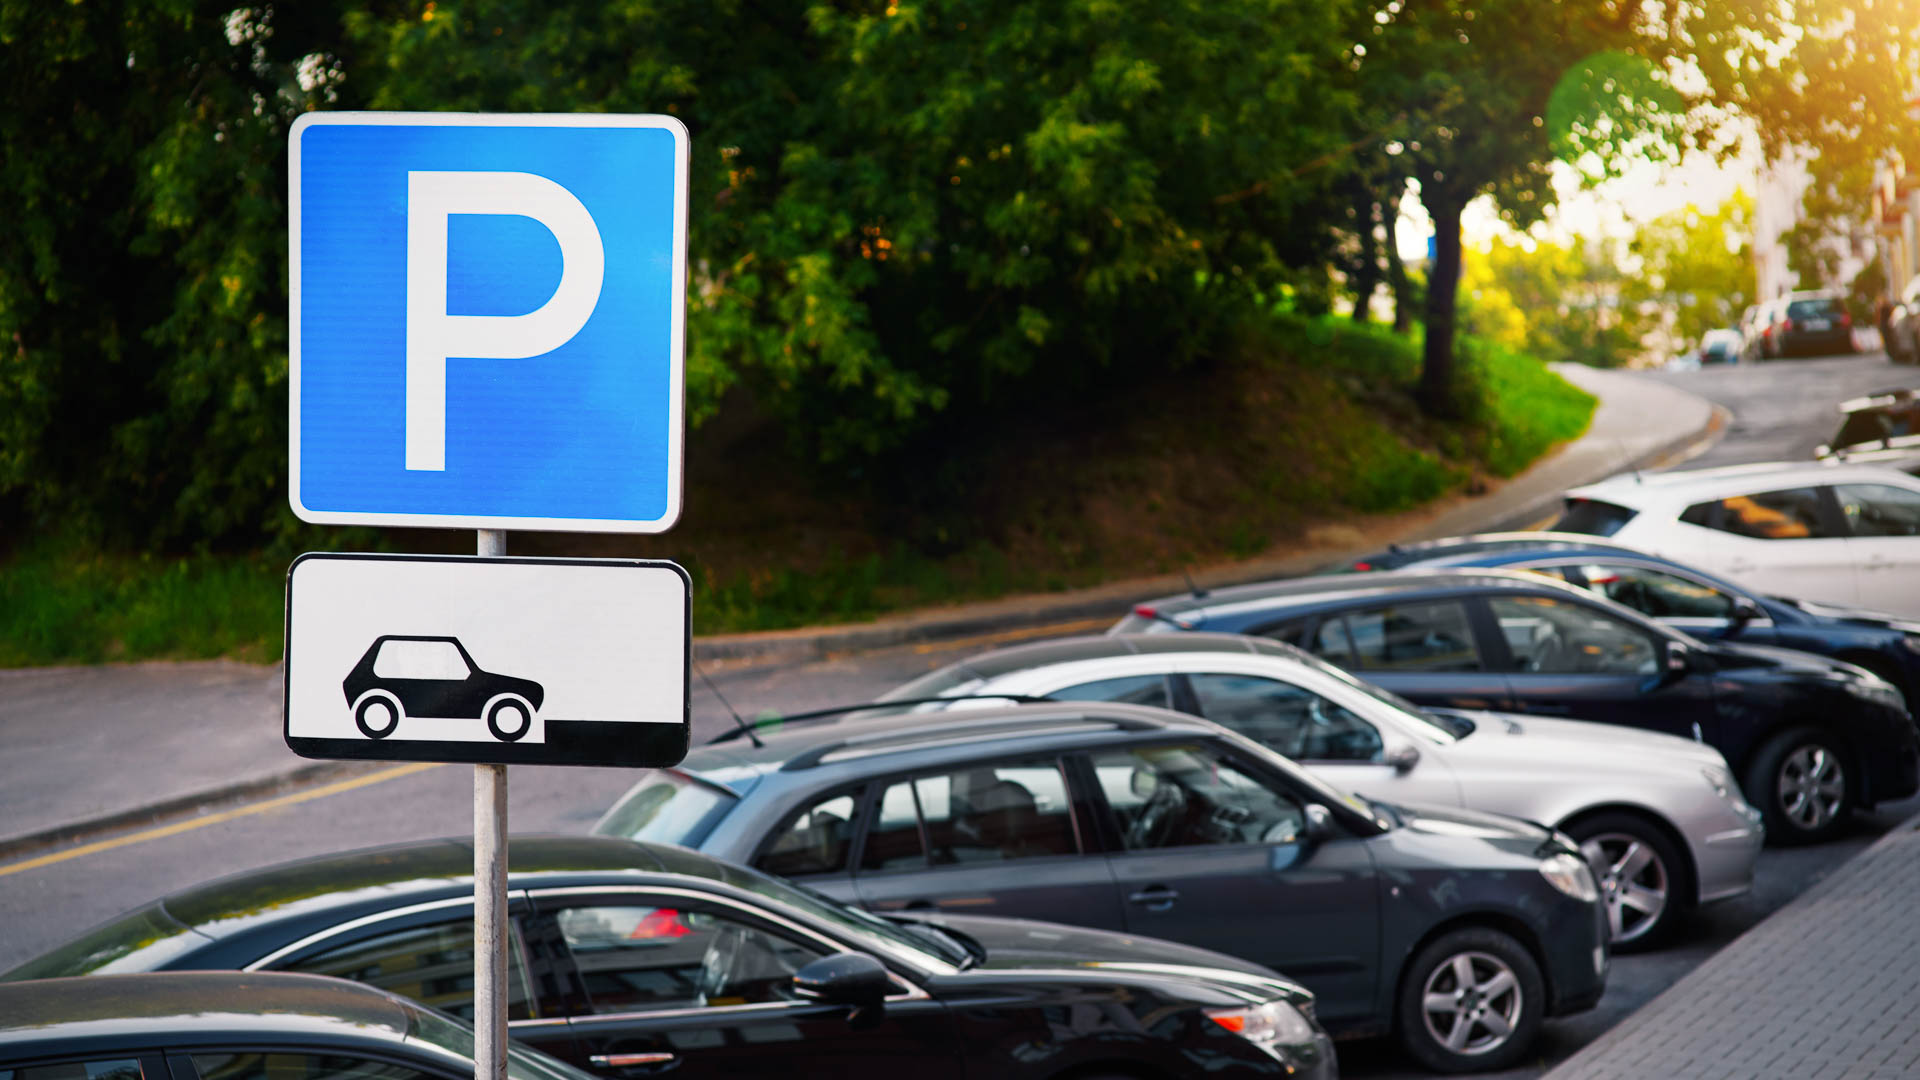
(1698, 265)
(1559, 302)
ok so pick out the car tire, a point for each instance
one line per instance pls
(501, 718)
(1644, 880)
(369, 710)
(1799, 780)
(1460, 991)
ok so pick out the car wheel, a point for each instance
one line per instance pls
(376, 715)
(1798, 779)
(1642, 878)
(1471, 1002)
(509, 718)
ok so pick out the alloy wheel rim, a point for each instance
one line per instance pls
(1471, 1003)
(1811, 786)
(1633, 881)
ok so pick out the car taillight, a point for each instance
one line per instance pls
(1363, 566)
(1789, 324)
(1846, 321)
(1146, 612)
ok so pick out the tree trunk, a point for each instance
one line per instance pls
(1366, 271)
(1397, 270)
(1443, 287)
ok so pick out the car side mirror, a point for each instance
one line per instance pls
(1319, 826)
(1403, 758)
(1744, 612)
(851, 979)
(1676, 665)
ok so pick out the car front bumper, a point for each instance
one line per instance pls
(1724, 859)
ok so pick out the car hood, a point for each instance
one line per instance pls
(1515, 740)
(1852, 616)
(1023, 945)
(1448, 825)
(1786, 661)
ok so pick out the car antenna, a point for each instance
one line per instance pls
(1198, 592)
(745, 728)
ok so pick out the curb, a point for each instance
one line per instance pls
(1106, 603)
(1084, 611)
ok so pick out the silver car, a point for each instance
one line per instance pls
(1660, 818)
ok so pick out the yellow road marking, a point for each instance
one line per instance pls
(178, 827)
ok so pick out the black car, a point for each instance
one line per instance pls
(402, 675)
(1685, 597)
(1812, 324)
(1810, 737)
(626, 955)
(1458, 931)
(232, 1026)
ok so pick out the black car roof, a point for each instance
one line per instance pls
(187, 1006)
(1400, 555)
(1331, 585)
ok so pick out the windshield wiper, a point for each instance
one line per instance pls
(973, 952)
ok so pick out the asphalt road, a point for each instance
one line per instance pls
(1781, 409)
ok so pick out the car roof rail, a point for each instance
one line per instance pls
(962, 732)
(775, 722)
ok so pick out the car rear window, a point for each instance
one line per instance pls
(667, 807)
(1813, 309)
(1592, 517)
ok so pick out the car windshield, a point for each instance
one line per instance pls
(667, 806)
(144, 940)
(947, 682)
(1437, 727)
(914, 944)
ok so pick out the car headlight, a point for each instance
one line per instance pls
(1274, 1023)
(1571, 875)
(1877, 691)
(1720, 778)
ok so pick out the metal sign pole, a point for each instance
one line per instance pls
(490, 897)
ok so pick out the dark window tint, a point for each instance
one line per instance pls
(1879, 510)
(1295, 722)
(1592, 517)
(1549, 636)
(299, 1066)
(1702, 514)
(983, 814)
(1813, 309)
(1413, 637)
(1330, 640)
(814, 841)
(1654, 592)
(1133, 690)
(635, 957)
(1793, 514)
(430, 964)
(1187, 796)
(104, 1069)
(668, 807)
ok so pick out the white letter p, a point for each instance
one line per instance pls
(433, 335)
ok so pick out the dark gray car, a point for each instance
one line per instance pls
(1456, 930)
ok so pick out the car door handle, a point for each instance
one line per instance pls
(628, 1061)
(1155, 897)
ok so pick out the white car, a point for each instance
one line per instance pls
(1831, 533)
(1660, 818)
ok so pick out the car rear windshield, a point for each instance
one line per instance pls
(667, 807)
(1592, 517)
(1813, 309)
(142, 940)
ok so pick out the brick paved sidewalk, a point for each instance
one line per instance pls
(1829, 987)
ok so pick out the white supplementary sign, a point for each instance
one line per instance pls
(518, 661)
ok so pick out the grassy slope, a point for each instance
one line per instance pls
(1308, 422)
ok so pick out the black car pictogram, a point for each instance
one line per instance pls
(435, 677)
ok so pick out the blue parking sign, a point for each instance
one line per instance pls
(487, 320)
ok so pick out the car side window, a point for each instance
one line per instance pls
(1133, 690)
(1189, 796)
(1551, 636)
(431, 964)
(299, 1065)
(1295, 722)
(980, 814)
(1880, 510)
(437, 660)
(813, 841)
(1654, 593)
(1793, 514)
(1331, 641)
(1413, 637)
(639, 957)
(98, 1069)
